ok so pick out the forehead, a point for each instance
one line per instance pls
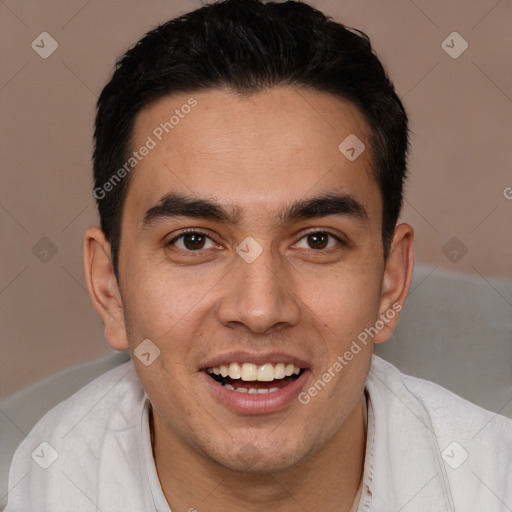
(265, 149)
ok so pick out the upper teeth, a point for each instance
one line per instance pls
(249, 371)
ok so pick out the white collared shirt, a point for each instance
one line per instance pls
(427, 450)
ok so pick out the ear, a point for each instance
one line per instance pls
(396, 280)
(103, 287)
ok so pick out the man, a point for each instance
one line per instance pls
(248, 166)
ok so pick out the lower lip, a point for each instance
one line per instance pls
(245, 403)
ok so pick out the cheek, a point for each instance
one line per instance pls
(168, 311)
(343, 301)
(350, 306)
(161, 306)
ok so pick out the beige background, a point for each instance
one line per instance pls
(460, 170)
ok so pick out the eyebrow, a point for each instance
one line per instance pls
(178, 205)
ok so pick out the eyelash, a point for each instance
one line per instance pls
(197, 232)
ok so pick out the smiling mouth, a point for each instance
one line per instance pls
(255, 379)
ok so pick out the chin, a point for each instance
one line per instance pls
(260, 458)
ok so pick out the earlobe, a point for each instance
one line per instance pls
(396, 281)
(103, 288)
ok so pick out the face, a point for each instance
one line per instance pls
(251, 246)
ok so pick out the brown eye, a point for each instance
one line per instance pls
(192, 241)
(319, 240)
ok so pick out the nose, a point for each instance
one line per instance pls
(260, 295)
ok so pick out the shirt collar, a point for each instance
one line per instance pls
(154, 490)
(403, 466)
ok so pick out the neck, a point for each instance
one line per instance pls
(327, 481)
